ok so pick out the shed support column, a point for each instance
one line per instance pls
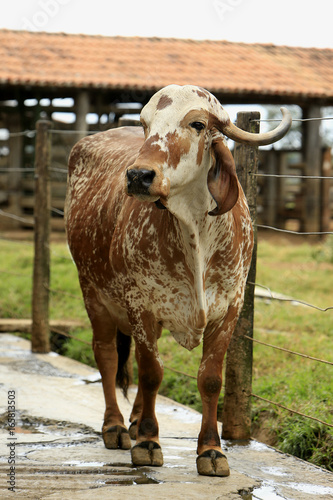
(15, 162)
(270, 194)
(82, 105)
(312, 160)
(325, 190)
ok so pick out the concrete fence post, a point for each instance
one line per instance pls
(40, 339)
(236, 416)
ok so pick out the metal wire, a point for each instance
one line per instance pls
(28, 133)
(292, 411)
(61, 170)
(294, 119)
(282, 299)
(87, 132)
(16, 217)
(9, 169)
(57, 211)
(32, 133)
(314, 233)
(290, 352)
(291, 176)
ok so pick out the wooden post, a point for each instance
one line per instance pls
(236, 416)
(40, 339)
(82, 105)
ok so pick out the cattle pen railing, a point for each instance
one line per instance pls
(238, 393)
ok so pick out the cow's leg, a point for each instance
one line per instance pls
(114, 432)
(137, 406)
(147, 450)
(211, 460)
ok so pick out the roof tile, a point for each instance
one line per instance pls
(62, 60)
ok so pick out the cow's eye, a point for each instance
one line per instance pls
(197, 125)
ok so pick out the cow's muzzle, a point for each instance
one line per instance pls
(139, 181)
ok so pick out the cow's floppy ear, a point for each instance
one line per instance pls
(222, 179)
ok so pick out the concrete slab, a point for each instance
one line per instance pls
(59, 454)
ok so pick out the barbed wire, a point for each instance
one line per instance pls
(16, 217)
(79, 132)
(57, 211)
(28, 133)
(179, 372)
(18, 275)
(52, 290)
(18, 241)
(10, 169)
(311, 233)
(286, 299)
(291, 411)
(260, 226)
(68, 335)
(57, 169)
(293, 119)
(288, 351)
(31, 169)
(31, 132)
(281, 176)
(292, 176)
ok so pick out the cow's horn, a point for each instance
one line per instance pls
(239, 135)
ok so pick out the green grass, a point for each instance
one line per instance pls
(300, 270)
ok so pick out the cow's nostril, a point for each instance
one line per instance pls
(139, 180)
(147, 176)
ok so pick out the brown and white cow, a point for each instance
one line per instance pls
(160, 231)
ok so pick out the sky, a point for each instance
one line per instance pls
(305, 23)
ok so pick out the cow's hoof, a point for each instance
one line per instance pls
(147, 453)
(213, 463)
(117, 437)
(132, 429)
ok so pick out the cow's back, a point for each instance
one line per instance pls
(95, 192)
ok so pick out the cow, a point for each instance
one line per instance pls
(160, 231)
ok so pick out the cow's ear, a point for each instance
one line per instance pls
(222, 179)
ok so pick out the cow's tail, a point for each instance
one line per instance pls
(123, 378)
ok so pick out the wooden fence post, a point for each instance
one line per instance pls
(236, 416)
(40, 339)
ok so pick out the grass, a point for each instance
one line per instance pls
(299, 270)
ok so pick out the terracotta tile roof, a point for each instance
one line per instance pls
(61, 60)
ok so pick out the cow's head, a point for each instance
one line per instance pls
(184, 148)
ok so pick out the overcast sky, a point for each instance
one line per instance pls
(285, 22)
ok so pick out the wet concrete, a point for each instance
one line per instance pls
(59, 453)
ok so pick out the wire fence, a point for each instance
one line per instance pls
(271, 296)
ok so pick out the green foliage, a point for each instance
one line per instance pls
(325, 252)
(306, 440)
(16, 279)
(75, 349)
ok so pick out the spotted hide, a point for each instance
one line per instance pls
(161, 235)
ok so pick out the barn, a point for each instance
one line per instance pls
(91, 83)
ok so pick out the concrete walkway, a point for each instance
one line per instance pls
(59, 454)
